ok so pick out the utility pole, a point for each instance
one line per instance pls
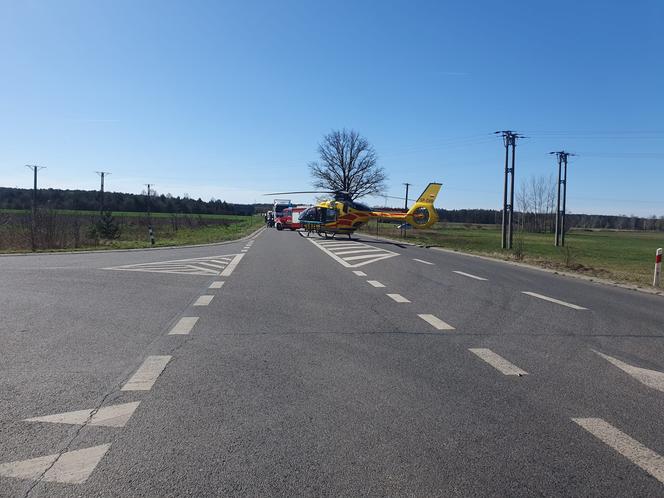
(405, 206)
(562, 182)
(101, 191)
(509, 140)
(33, 222)
(150, 231)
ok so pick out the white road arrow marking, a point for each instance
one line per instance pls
(73, 467)
(650, 378)
(108, 416)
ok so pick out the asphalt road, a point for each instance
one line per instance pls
(323, 367)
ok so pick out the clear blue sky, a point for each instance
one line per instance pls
(229, 99)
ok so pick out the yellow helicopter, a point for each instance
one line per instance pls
(342, 215)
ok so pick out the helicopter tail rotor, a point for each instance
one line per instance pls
(422, 214)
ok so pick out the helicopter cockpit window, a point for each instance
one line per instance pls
(330, 215)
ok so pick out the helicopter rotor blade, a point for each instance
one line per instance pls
(303, 192)
(393, 197)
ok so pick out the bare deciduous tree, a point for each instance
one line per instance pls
(348, 163)
(536, 200)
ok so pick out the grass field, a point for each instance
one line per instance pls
(58, 230)
(623, 256)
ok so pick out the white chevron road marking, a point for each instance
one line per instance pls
(72, 467)
(108, 416)
(650, 378)
(211, 265)
(628, 447)
(353, 254)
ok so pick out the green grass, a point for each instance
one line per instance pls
(623, 256)
(191, 236)
(134, 235)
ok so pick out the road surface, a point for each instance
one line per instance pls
(281, 365)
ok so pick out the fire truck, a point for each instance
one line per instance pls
(290, 218)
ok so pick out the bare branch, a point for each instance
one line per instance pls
(347, 163)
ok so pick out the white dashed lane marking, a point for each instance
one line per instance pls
(422, 261)
(203, 300)
(552, 300)
(398, 298)
(628, 447)
(184, 325)
(375, 283)
(147, 374)
(108, 416)
(216, 285)
(360, 273)
(352, 254)
(650, 378)
(436, 322)
(498, 362)
(72, 467)
(468, 275)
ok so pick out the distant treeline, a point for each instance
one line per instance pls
(88, 200)
(597, 221)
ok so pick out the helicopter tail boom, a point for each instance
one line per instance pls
(422, 214)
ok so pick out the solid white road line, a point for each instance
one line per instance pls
(436, 322)
(550, 299)
(422, 261)
(231, 266)
(203, 300)
(398, 298)
(184, 325)
(628, 447)
(468, 275)
(146, 375)
(359, 273)
(72, 467)
(375, 283)
(108, 416)
(498, 362)
(651, 378)
(216, 285)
